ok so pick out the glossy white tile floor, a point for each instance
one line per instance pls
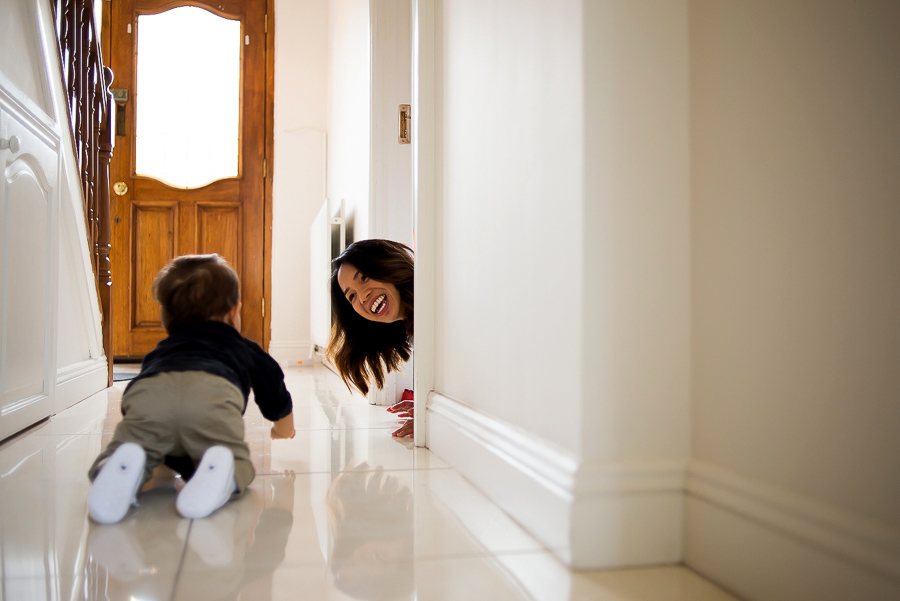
(342, 511)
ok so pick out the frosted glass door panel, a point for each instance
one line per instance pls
(188, 97)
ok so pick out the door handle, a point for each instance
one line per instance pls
(11, 143)
(120, 188)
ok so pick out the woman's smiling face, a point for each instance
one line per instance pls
(374, 300)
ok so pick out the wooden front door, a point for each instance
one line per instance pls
(180, 189)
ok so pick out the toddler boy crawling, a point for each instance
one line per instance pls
(185, 408)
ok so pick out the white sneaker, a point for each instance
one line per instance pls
(115, 488)
(211, 485)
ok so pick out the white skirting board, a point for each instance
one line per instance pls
(767, 543)
(761, 542)
(289, 353)
(394, 385)
(590, 516)
(76, 382)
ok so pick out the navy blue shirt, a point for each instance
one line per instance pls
(217, 348)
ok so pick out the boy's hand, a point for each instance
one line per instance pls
(275, 434)
(283, 428)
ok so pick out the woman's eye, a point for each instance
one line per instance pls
(351, 298)
(363, 279)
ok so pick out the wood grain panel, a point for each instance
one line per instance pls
(154, 227)
(219, 231)
(223, 190)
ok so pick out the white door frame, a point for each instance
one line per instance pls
(390, 165)
(424, 201)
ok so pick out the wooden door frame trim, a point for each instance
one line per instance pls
(267, 179)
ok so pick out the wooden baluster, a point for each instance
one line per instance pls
(93, 119)
(104, 271)
(85, 126)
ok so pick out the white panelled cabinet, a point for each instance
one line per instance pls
(29, 199)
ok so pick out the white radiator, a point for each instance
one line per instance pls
(327, 239)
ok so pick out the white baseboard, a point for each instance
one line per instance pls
(765, 542)
(394, 385)
(589, 515)
(761, 542)
(78, 381)
(628, 514)
(289, 353)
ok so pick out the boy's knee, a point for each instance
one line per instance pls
(244, 473)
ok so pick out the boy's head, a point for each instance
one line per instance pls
(196, 288)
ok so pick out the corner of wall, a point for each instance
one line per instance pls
(290, 353)
(78, 381)
(764, 542)
(588, 514)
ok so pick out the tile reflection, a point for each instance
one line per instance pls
(137, 558)
(40, 535)
(235, 551)
(329, 451)
(371, 535)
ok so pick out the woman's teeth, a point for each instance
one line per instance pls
(378, 304)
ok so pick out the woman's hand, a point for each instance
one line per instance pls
(404, 409)
(406, 430)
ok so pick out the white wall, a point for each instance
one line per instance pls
(635, 320)
(562, 268)
(796, 263)
(666, 278)
(636, 228)
(511, 169)
(348, 111)
(301, 121)
(321, 148)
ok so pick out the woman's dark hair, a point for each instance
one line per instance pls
(363, 351)
(195, 288)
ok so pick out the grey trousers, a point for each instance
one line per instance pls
(182, 414)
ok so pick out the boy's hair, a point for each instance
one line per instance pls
(196, 288)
